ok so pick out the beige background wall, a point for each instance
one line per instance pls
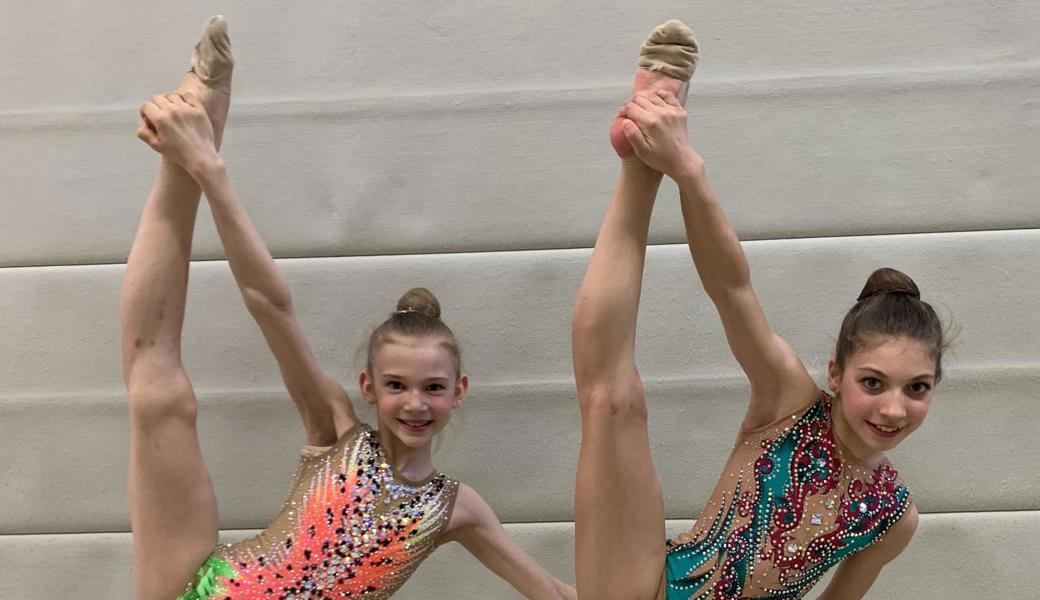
(461, 145)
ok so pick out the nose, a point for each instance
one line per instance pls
(416, 400)
(893, 406)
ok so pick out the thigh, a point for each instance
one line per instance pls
(619, 509)
(173, 510)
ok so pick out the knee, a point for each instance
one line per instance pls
(613, 402)
(159, 396)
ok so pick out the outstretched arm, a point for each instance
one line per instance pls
(779, 381)
(323, 404)
(178, 128)
(474, 525)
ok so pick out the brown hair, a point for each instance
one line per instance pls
(890, 305)
(418, 314)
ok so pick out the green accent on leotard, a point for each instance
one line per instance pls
(206, 585)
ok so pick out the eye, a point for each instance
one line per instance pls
(395, 385)
(872, 383)
(436, 387)
(919, 388)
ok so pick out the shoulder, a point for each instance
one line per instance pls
(470, 508)
(899, 535)
(857, 573)
(469, 513)
(894, 541)
(357, 431)
(783, 390)
(796, 407)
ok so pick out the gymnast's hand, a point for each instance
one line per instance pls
(655, 126)
(175, 125)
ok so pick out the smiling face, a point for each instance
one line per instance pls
(414, 386)
(883, 395)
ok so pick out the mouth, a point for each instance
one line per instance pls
(884, 431)
(415, 426)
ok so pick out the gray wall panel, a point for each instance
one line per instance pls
(952, 557)
(337, 48)
(474, 134)
(250, 439)
(533, 169)
(512, 310)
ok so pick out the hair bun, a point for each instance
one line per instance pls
(889, 281)
(420, 300)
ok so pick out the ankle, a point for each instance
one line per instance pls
(633, 166)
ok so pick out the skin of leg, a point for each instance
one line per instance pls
(173, 510)
(619, 508)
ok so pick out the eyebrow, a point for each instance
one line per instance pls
(883, 374)
(394, 376)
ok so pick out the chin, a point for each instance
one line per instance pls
(417, 442)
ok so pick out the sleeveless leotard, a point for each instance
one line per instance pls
(350, 528)
(788, 507)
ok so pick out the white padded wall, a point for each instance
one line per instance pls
(462, 146)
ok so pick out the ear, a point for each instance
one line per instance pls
(461, 387)
(833, 376)
(368, 387)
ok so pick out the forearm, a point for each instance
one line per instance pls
(608, 302)
(565, 591)
(323, 405)
(259, 280)
(541, 585)
(714, 245)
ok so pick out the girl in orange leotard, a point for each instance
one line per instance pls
(366, 506)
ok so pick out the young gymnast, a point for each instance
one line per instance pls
(807, 485)
(366, 506)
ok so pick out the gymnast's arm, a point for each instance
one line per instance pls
(322, 402)
(857, 573)
(779, 382)
(474, 525)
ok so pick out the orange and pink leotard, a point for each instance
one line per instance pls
(350, 528)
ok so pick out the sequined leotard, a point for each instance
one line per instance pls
(349, 529)
(787, 508)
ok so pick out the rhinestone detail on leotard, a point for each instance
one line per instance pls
(348, 530)
(789, 508)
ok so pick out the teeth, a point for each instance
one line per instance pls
(887, 429)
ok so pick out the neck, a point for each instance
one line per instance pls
(414, 464)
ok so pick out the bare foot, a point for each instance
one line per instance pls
(209, 78)
(666, 62)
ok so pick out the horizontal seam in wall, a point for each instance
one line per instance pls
(958, 374)
(563, 523)
(559, 248)
(549, 94)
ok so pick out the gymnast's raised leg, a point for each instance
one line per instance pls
(173, 511)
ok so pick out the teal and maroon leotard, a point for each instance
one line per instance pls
(788, 507)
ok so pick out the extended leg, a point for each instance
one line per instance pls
(173, 510)
(619, 510)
